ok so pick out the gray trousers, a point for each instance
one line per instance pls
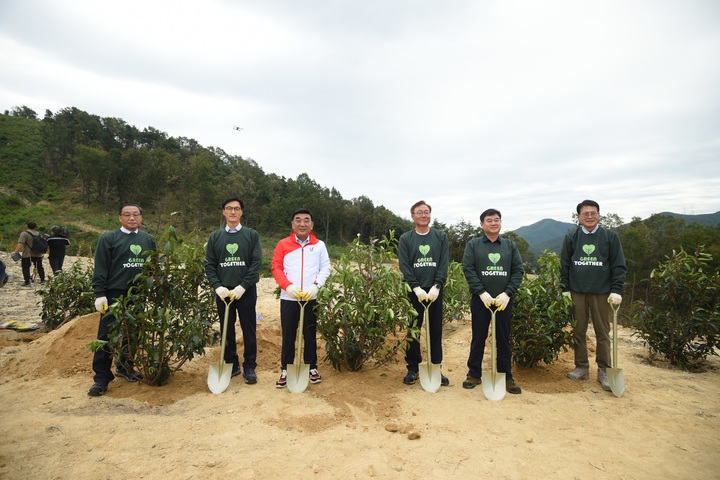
(592, 306)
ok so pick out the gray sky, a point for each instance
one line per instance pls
(524, 106)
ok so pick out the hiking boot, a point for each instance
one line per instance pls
(25, 284)
(444, 382)
(411, 378)
(315, 376)
(282, 381)
(470, 382)
(98, 389)
(250, 376)
(580, 373)
(132, 376)
(510, 387)
(236, 371)
(603, 379)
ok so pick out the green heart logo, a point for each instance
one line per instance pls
(136, 249)
(231, 248)
(588, 249)
(494, 257)
(424, 249)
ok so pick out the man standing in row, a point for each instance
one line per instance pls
(494, 271)
(233, 261)
(592, 273)
(300, 266)
(29, 257)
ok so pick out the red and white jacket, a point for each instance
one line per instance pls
(300, 265)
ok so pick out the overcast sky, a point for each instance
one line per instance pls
(524, 106)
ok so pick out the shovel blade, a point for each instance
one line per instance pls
(430, 378)
(219, 377)
(494, 389)
(616, 379)
(298, 377)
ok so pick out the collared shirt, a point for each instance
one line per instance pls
(302, 243)
(588, 232)
(485, 239)
(129, 232)
(233, 230)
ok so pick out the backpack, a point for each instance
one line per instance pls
(39, 244)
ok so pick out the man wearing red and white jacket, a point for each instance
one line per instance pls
(301, 266)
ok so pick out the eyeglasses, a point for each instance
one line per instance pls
(589, 214)
(421, 213)
(128, 215)
(233, 209)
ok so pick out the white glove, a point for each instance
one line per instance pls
(293, 291)
(311, 292)
(433, 293)
(567, 295)
(222, 292)
(237, 292)
(101, 304)
(487, 299)
(615, 299)
(502, 301)
(421, 294)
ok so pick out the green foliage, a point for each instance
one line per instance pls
(167, 314)
(542, 317)
(67, 295)
(456, 294)
(683, 324)
(365, 306)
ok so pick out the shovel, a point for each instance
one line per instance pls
(616, 379)
(493, 387)
(298, 373)
(219, 375)
(430, 377)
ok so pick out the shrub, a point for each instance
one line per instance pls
(365, 307)
(683, 324)
(456, 294)
(542, 318)
(67, 295)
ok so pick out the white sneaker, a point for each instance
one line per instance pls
(315, 376)
(282, 381)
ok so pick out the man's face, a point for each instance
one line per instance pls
(421, 215)
(491, 224)
(302, 225)
(130, 218)
(232, 213)
(589, 217)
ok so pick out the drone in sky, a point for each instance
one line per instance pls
(237, 128)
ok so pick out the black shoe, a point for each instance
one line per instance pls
(444, 382)
(236, 371)
(97, 390)
(132, 376)
(511, 387)
(42, 282)
(411, 378)
(470, 382)
(250, 376)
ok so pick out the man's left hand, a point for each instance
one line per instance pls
(237, 292)
(614, 299)
(502, 301)
(433, 293)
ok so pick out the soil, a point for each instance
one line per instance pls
(360, 425)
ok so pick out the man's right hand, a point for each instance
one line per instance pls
(101, 304)
(293, 291)
(222, 292)
(421, 294)
(487, 299)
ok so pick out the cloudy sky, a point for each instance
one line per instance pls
(524, 106)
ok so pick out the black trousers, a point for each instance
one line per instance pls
(245, 309)
(56, 264)
(289, 320)
(103, 357)
(481, 317)
(435, 312)
(27, 262)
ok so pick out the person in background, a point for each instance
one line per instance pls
(233, 260)
(300, 266)
(494, 271)
(592, 274)
(57, 242)
(424, 257)
(29, 258)
(118, 259)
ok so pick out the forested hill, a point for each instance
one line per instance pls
(74, 167)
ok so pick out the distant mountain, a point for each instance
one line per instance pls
(707, 219)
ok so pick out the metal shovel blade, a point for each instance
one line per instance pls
(430, 374)
(298, 373)
(220, 374)
(494, 386)
(616, 379)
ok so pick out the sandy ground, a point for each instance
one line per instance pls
(352, 425)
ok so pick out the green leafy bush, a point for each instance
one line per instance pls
(364, 310)
(456, 294)
(542, 318)
(67, 295)
(683, 324)
(167, 315)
